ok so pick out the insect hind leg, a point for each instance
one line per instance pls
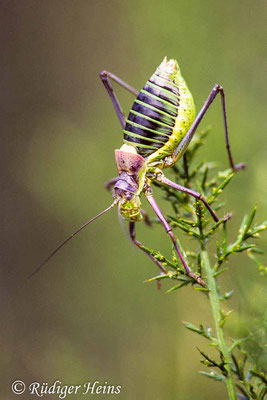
(105, 76)
(189, 135)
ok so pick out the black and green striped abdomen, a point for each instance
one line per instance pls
(153, 115)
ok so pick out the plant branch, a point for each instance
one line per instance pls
(217, 318)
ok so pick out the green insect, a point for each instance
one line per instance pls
(157, 132)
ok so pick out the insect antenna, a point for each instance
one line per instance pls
(70, 237)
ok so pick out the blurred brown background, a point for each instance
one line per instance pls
(88, 315)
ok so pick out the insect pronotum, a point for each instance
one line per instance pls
(157, 132)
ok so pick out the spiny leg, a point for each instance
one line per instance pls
(105, 75)
(139, 244)
(163, 179)
(168, 229)
(186, 140)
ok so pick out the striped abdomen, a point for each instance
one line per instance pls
(152, 122)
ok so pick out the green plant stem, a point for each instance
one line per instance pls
(217, 317)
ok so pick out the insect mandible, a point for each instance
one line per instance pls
(157, 132)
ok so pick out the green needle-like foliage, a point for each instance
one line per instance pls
(234, 365)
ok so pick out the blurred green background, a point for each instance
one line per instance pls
(88, 315)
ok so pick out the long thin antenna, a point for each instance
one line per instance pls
(70, 237)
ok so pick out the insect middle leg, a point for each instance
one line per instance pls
(196, 195)
(186, 140)
(105, 75)
(168, 229)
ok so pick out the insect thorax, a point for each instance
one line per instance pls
(161, 114)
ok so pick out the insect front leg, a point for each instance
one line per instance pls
(187, 138)
(105, 75)
(168, 229)
(109, 184)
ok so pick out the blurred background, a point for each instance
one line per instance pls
(89, 315)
